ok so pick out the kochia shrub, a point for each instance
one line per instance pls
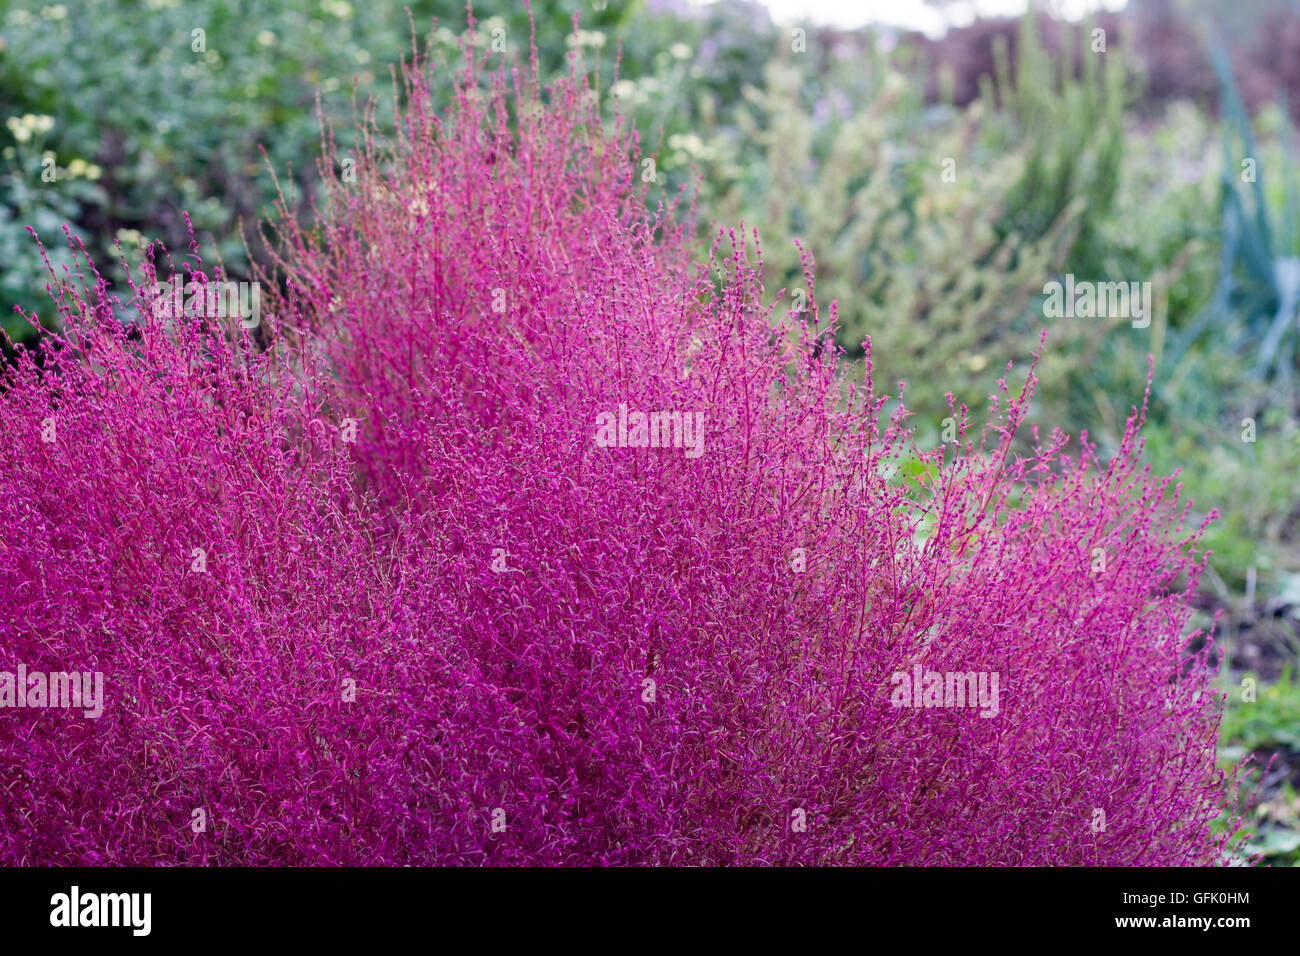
(396, 584)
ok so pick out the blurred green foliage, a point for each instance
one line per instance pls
(934, 229)
(1258, 292)
(1266, 725)
(1272, 720)
(151, 110)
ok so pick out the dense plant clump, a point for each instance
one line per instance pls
(404, 584)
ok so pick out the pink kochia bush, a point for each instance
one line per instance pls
(394, 579)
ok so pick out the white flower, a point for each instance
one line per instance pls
(24, 126)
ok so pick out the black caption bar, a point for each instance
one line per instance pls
(142, 906)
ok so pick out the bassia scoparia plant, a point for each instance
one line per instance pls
(513, 534)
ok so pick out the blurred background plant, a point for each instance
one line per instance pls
(168, 115)
(938, 182)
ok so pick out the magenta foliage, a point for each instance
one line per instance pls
(476, 634)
